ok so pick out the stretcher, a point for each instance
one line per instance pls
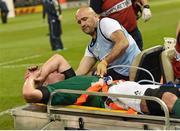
(72, 117)
(48, 117)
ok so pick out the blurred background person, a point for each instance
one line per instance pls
(4, 11)
(123, 11)
(53, 10)
(176, 61)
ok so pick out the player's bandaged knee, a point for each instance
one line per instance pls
(69, 73)
(176, 108)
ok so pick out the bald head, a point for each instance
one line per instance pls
(85, 10)
(87, 19)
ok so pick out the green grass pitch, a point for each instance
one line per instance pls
(24, 41)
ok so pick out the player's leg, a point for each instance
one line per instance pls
(172, 102)
(56, 63)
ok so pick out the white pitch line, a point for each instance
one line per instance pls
(5, 112)
(19, 66)
(8, 111)
(20, 59)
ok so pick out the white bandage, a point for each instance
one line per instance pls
(146, 14)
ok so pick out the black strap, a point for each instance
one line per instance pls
(45, 94)
(69, 73)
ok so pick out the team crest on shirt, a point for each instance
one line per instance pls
(137, 93)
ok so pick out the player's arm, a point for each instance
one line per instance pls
(120, 45)
(144, 2)
(55, 63)
(85, 65)
(60, 11)
(112, 30)
(30, 93)
(59, 8)
(178, 29)
(177, 46)
(146, 13)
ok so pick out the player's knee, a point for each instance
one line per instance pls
(58, 57)
(169, 99)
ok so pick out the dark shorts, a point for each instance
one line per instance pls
(113, 74)
(153, 107)
(116, 76)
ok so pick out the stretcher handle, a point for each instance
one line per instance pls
(163, 105)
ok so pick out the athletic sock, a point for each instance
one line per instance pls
(176, 108)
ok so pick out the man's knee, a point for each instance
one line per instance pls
(57, 56)
(169, 99)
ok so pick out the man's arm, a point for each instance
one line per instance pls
(43, 9)
(57, 7)
(55, 63)
(85, 65)
(146, 13)
(121, 44)
(30, 93)
(178, 29)
(60, 11)
(177, 46)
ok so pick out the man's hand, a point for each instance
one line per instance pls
(60, 17)
(146, 13)
(30, 70)
(102, 68)
(41, 78)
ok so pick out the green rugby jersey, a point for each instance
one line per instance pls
(75, 83)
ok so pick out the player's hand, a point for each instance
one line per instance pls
(41, 77)
(35, 74)
(30, 70)
(146, 14)
(102, 68)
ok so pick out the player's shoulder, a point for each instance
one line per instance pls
(108, 21)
